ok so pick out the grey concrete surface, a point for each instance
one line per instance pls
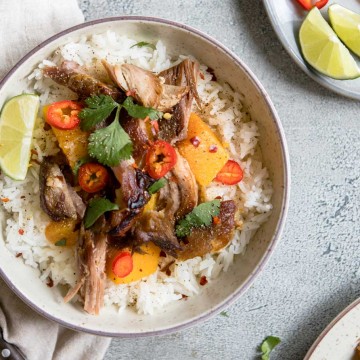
(314, 272)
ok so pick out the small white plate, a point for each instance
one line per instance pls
(286, 17)
(340, 338)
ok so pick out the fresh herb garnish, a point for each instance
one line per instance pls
(200, 216)
(98, 108)
(144, 43)
(96, 208)
(157, 185)
(268, 345)
(140, 112)
(224, 313)
(61, 242)
(111, 144)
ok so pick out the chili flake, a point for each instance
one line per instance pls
(195, 141)
(213, 148)
(203, 281)
(5, 199)
(21, 231)
(216, 220)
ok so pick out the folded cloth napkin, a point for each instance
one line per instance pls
(24, 24)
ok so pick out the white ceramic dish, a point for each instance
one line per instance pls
(229, 286)
(340, 338)
(286, 17)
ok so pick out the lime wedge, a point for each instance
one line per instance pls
(323, 50)
(346, 24)
(17, 120)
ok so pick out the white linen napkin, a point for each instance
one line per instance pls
(23, 25)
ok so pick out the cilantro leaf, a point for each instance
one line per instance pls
(96, 208)
(224, 313)
(199, 216)
(111, 144)
(98, 108)
(157, 185)
(268, 345)
(140, 112)
(144, 43)
(61, 242)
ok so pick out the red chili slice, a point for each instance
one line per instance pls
(123, 264)
(309, 4)
(230, 174)
(93, 177)
(160, 159)
(64, 114)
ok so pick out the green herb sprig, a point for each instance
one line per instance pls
(96, 208)
(200, 216)
(268, 346)
(111, 144)
(144, 44)
(157, 185)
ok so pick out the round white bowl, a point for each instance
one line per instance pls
(229, 286)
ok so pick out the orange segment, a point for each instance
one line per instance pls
(143, 264)
(203, 151)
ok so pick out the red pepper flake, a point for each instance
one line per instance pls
(203, 281)
(218, 197)
(34, 152)
(216, 220)
(155, 125)
(202, 76)
(21, 231)
(195, 141)
(5, 199)
(50, 282)
(18, 255)
(131, 92)
(162, 253)
(185, 297)
(213, 148)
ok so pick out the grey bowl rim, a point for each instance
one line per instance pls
(284, 207)
(329, 327)
(321, 79)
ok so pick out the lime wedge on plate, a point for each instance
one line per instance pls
(346, 24)
(17, 120)
(323, 50)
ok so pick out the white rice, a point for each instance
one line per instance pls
(223, 111)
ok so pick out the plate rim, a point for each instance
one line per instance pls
(300, 62)
(329, 327)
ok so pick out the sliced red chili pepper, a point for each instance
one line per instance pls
(93, 177)
(64, 114)
(230, 174)
(160, 159)
(123, 264)
(309, 4)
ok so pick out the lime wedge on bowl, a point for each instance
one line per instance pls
(17, 120)
(346, 24)
(324, 51)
